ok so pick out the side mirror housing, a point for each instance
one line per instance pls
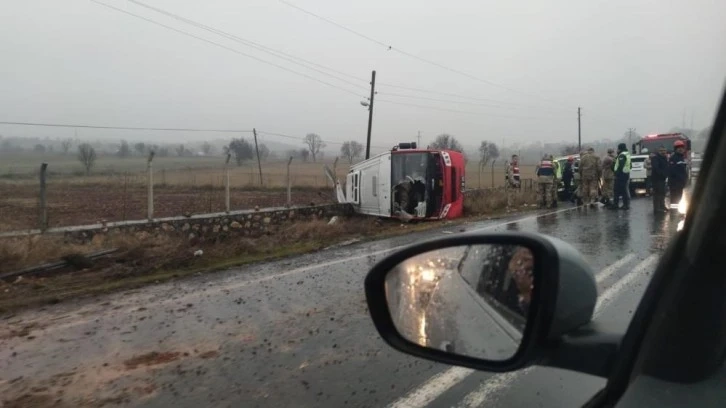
(494, 302)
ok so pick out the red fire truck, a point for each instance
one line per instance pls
(654, 141)
(407, 183)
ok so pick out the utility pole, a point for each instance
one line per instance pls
(150, 187)
(226, 183)
(370, 114)
(630, 135)
(259, 165)
(579, 131)
(43, 217)
(419, 139)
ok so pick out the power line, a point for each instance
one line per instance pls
(473, 98)
(490, 105)
(63, 125)
(228, 48)
(291, 58)
(459, 111)
(410, 55)
(279, 54)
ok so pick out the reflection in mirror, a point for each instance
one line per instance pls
(469, 300)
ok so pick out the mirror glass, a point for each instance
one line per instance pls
(469, 300)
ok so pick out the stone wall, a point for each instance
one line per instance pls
(249, 223)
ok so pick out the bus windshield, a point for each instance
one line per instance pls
(416, 189)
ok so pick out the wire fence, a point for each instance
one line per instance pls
(108, 195)
(58, 200)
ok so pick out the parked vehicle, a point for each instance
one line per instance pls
(576, 179)
(638, 174)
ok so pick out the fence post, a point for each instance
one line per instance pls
(289, 196)
(43, 216)
(226, 183)
(150, 181)
(481, 167)
(493, 161)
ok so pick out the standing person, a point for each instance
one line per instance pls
(658, 179)
(545, 178)
(555, 181)
(513, 183)
(622, 177)
(608, 178)
(568, 173)
(589, 176)
(677, 173)
(648, 170)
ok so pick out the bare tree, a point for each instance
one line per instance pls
(180, 150)
(487, 151)
(39, 148)
(140, 148)
(315, 143)
(66, 145)
(304, 154)
(445, 141)
(241, 149)
(351, 150)
(124, 150)
(87, 156)
(207, 148)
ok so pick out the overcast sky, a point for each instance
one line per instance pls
(627, 63)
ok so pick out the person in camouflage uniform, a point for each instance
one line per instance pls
(608, 178)
(513, 182)
(545, 179)
(590, 168)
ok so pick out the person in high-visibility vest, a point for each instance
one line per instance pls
(622, 178)
(545, 178)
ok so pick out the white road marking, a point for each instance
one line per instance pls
(607, 272)
(614, 291)
(440, 383)
(491, 387)
(432, 388)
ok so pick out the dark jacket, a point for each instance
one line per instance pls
(678, 168)
(568, 172)
(660, 167)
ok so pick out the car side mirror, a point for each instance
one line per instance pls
(495, 302)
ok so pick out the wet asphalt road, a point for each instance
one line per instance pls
(297, 333)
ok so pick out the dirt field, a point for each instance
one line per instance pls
(77, 204)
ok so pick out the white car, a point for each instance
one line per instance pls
(638, 174)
